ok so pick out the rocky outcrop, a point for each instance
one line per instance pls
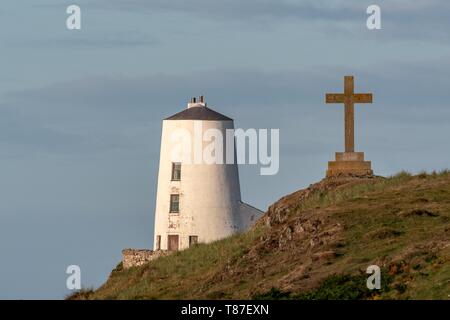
(279, 212)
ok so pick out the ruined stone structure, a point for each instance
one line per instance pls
(349, 162)
(138, 257)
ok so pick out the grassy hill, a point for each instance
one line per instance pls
(315, 244)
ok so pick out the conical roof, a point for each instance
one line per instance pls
(199, 111)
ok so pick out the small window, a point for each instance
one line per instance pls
(174, 203)
(176, 171)
(193, 240)
(158, 242)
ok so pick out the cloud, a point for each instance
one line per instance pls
(224, 9)
(100, 113)
(82, 40)
(423, 19)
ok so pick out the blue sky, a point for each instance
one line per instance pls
(80, 111)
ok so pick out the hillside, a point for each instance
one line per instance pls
(316, 243)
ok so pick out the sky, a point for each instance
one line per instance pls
(81, 110)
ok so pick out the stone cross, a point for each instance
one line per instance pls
(349, 98)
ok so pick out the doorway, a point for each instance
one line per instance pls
(172, 244)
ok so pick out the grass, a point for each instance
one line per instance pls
(83, 294)
(401, 223)
(173, 276)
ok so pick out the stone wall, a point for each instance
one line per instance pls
(138, 257)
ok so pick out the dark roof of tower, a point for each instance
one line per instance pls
(198, 113)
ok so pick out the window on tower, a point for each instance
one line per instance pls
(176, 171)
(193, 240)
(158, 242)
(174, 203)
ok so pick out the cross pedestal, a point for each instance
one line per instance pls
(349, 162)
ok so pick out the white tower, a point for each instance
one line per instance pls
(197, 202)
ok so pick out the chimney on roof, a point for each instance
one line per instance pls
(197, 103)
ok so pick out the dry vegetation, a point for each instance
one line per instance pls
(316, 244)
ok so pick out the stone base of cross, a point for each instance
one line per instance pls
(349, 162)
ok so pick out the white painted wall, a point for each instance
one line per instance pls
(210, 197)
(248, 215)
